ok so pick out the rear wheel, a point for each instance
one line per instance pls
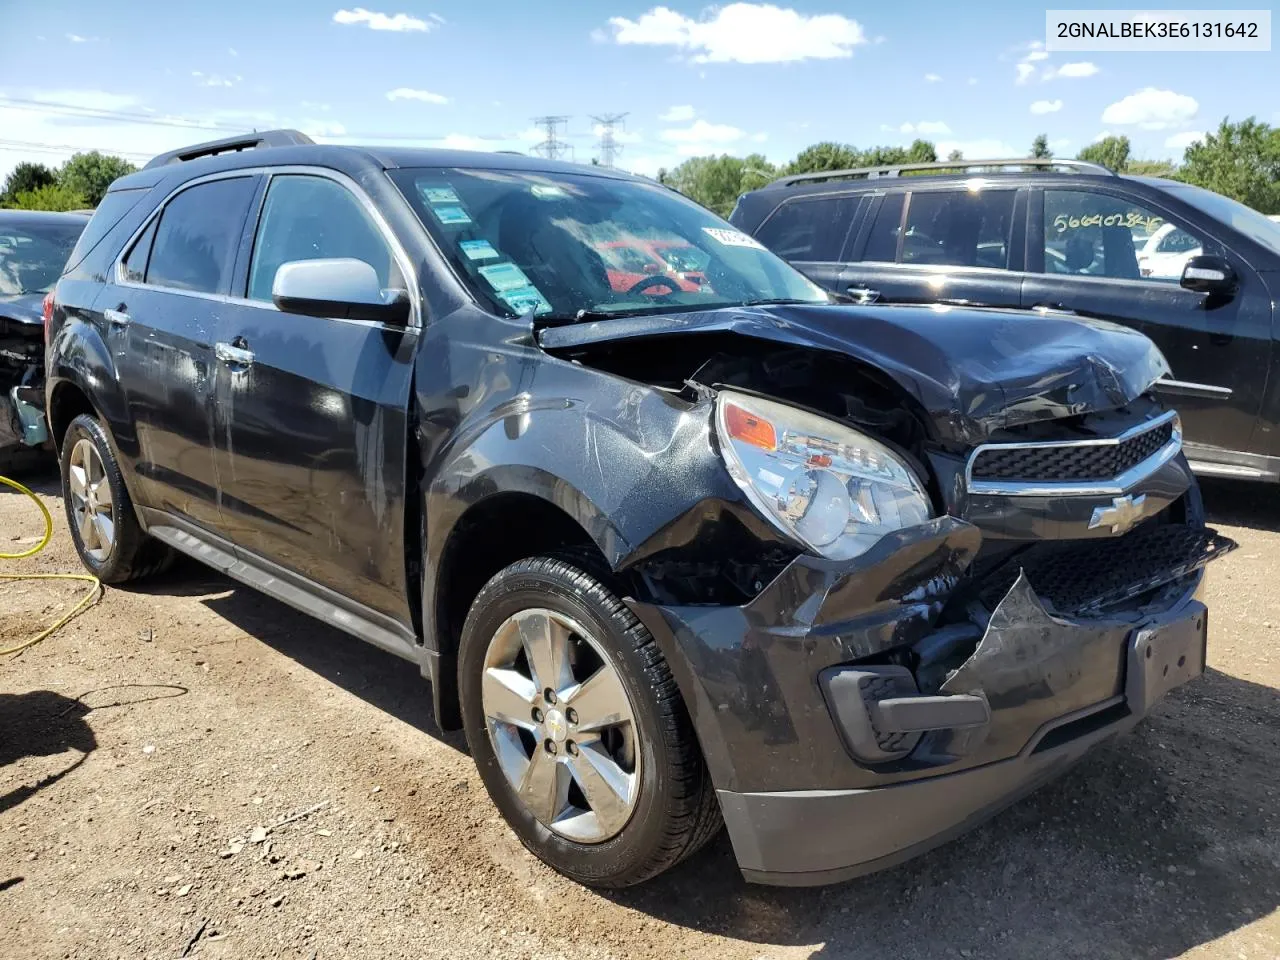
(578, 729)
(104, 527)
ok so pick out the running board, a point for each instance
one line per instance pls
(299, 593)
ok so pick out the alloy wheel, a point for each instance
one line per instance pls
(562, 726)
(91, 501)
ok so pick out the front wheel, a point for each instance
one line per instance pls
(577, 728)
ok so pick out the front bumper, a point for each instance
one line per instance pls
(805, 799)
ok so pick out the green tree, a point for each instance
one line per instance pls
(922, 151)
(52, 196)
(25, 177)
(1152, 168)
(825, 156)
(1241, 161)
(89, 174)
(1111, 152)
(717, 182)
(1040, 148)
(955, 155)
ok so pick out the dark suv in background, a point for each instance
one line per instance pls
(849, 577)
(1196, 272)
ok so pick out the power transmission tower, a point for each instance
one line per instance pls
(609, 146)
(553, 147)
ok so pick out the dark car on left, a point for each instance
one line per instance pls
(34, 247)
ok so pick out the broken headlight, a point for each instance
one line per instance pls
(834, 489)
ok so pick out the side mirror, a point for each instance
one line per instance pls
(342, 288)
(1211, 275)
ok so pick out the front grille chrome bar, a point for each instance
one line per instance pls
(1109, 487)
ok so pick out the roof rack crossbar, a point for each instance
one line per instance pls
(246, 141)
(967, 166)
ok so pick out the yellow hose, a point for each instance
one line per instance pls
(85, 603)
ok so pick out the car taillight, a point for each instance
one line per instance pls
(47, 313)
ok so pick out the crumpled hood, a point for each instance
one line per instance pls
(23, 307)
(974, 371)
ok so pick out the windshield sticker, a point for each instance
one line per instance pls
(505, 276)
(732, 238)
(478, 250)
(524, 299)
(451, 216)
(545, 191)
(438, 194)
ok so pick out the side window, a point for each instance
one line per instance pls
(195, 244)
(809, 230)
(1101, 235)
(882, 245)
(961, 228)
(314, 218)
(135, 262)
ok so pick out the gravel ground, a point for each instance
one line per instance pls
(192, 769)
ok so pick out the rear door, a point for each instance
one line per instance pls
(1087, 259)
(957, 246)
(312, 435)
(811, 231)
(168, 295)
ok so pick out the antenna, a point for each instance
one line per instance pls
(553, 147)
(609, 146)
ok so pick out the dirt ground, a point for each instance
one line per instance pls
(192, 769)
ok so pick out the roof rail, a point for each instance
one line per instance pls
(965, 166)
(246, 141)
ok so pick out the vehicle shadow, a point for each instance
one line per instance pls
(1239, 503)
(41, 723)
(1156, 843)
(382, 680)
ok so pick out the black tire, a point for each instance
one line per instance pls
(676, 811)
(133, 554)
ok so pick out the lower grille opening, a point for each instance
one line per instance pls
(1082, 727)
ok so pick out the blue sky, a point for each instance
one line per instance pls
(738, 78)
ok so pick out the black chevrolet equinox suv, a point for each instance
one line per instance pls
(1195, 271)
(676, 545)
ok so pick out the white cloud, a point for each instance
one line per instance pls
(1102, 136)
(744, 33)
(397, 22)
(974, 150)
(1025, 71)
(216, 80)
(932, 78)
(935, 127)
(599, 36)
(77, 38)
(700, 131)
(232, 51)
(680, 114)
(322, 128)
(1152, 109)
(1046, 106)
(461, 141)
(1180, 141)
(619, 135)
(759, 137)
(425, 96)
(1035, 56)
(437, 18)
(1072, 71)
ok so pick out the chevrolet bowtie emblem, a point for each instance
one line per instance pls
(1123, 513)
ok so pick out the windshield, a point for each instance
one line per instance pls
(32, 255)
(562, 245)
(1248, 221)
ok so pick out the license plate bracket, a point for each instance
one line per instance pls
(1163, 657)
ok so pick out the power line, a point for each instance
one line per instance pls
(33, 146)
(609, 146)
(553, 146)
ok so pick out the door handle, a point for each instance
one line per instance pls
(864, 294)
(232, 355)
(117, 318)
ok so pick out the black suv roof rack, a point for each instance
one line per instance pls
(245, 141)
(965, 166)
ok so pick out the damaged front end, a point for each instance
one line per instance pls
(872, 698)
(22, 420)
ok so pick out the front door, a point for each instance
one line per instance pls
(940, 246)
(162, 307)
(810, 233)
(1106, 256)
(312, 435)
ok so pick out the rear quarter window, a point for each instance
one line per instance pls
(110, 211)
